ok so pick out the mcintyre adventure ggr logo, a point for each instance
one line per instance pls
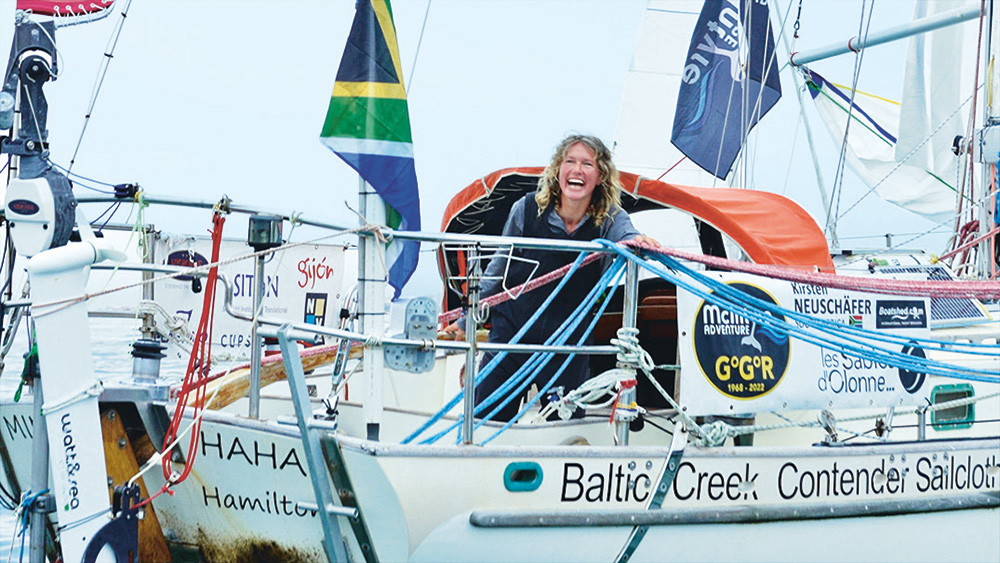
(741, 358)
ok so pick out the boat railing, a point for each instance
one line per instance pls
(471, 347)
(474, 244)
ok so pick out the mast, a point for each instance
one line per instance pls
(371, 312)
(989, 222)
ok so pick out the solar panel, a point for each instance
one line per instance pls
(944, 310)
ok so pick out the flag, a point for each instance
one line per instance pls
(730, 80)
(917, 183)
(368, 125)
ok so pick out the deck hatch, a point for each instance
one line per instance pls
(954, 418)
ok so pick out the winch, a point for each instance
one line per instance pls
(39, 203)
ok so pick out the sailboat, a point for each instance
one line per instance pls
(747, 394)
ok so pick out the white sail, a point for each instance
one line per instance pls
(646, 116)
(904, 149)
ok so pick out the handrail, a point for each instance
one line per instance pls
(456, 238)
(443, 344)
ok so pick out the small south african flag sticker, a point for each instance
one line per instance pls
(855, 320)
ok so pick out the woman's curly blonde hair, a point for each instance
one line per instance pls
(606, 195)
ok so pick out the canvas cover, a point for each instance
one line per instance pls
(769, 228)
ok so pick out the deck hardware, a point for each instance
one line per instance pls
(677, 445)
(522, 476)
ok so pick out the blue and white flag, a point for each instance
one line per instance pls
(729, 81)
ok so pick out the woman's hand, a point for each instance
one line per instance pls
(454, 331)
(649, 241)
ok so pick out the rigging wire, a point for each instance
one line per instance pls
(907, 157)
(936, 228)
(99, 80)
(743, 163)
(803, 116)
(416, 54)
(79, 177)
(766, 63)
(970, 128)
(725, 123)
(960, 180)
(34, 114)
(838, 180)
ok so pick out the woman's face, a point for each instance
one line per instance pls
(578, 174)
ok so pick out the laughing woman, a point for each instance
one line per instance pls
(578, 198)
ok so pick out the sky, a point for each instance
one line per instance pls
(205, 98)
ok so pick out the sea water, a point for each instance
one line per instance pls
(111, 341)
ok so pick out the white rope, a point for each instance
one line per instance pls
(586, 395)
(93, 390)
(715, 433)
(18, 517)
(179, 335)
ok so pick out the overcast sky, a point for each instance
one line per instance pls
(205, 98)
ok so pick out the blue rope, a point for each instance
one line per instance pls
(831, 327)
(29, 500)
(771, 318)
(525, 374)
(79, 177)
(735, 300)
(521, 375)
(496, 359)
(545, 389)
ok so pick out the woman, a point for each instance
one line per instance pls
(578, 198)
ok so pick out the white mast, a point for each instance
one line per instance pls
(991, 131)
(371, 309)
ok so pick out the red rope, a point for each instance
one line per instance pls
(449, 316)
(197, 371)
(930, 288)
(967, 245)
(623, 385)
(667, 171)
